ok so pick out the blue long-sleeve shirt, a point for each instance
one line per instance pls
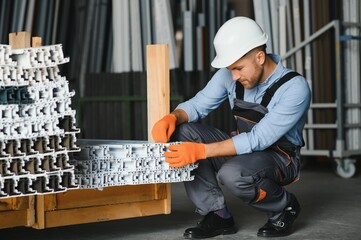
(287, 108)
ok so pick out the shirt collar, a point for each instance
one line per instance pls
(277, 72)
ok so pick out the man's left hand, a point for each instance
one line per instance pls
(185, 153)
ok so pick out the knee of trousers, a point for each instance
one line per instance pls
(250, 188)
(184, 132)
(242, 186)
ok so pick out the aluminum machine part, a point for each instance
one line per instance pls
(103, 163)
(37, 124)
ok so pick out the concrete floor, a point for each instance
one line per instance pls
(331, 209)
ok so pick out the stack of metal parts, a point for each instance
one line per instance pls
(104, 163)
(37, 124)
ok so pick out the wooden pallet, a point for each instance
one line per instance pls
(18, 211)
(85, 206)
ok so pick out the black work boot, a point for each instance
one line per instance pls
(211, 225)
(282, 226)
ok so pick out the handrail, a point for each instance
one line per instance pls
(318, 33)
(339, 104)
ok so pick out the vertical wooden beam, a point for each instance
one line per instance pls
(36, 42)
(40, 212)
(19, 40)
(158, 97)
(31, 214)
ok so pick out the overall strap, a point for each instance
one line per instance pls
(271, 91)
(239, 90)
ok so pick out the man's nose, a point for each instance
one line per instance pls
(235, 75)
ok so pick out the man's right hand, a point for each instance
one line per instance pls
(164, 128)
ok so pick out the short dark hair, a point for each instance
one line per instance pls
(262, 47)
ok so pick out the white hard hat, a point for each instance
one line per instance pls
(235, 38)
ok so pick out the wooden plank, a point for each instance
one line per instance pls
(50, 202)
(14, 218)
(20, 203)
(17, 211)
(19, 40)
(158, 96)
(15, 203)
(158, 100)
(40, 212)
(108, 196)
(90, 205)
(103, 213)
(162, 191)
(36, 42)
(31, 213)
(6, 204)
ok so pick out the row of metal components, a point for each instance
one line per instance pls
(5, 53)
(54, 108)
(14, 95)
(27, 185)
(33, 166)
(29, 93)
(37, 124)
(15, 148)
(103, 163)
(29, 66)
(39, 57)
(17, 76)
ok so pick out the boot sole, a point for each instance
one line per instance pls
(274, 235)
(227, 231)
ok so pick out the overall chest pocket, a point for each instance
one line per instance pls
(247, 114)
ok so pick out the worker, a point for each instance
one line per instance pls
(269, 103)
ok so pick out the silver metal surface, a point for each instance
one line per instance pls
(38, 131)
(103, 163)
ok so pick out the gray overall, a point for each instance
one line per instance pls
(258, 178)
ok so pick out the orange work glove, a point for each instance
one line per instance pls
(164, 128)
(185, 153)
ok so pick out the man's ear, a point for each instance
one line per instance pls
(261, 57)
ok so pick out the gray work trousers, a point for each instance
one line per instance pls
(243, 174)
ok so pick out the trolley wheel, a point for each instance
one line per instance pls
(346, 168)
